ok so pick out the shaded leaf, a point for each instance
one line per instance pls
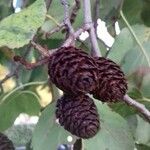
(132, 11)
(142, 134)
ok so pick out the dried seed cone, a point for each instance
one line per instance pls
(5, 143)
(78, 115)
(73, 71)
(112, 83)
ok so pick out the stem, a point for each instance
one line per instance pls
(88, 20)
(135, 37)
(140, 107)
(53, 19)
(20, 87)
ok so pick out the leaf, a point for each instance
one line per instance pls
(145, 88)
(114, 133)
(18, 102)
(130, 65)
(125, 42)
(18, 29)
(132, 10)
(5, 8)
(48, 134)
(57, 12)
(108, 12)
(142, 134)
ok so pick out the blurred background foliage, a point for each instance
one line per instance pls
(29, 91)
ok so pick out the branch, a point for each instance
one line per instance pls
(75, 9)
(66, 17)
(140, 107)
(88, 20)
(43, 51)
(28, 65)
(96, 14)
(14, 72)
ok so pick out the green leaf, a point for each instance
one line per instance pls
(18, 29)
(18, 102)
(48, 134)
(145, 88)
(114, 133)
(5, 8)
(57, 12)
(130, 65)
(142, 134)
(125, 42)
(132, 10)
(145, 14)
(109, 12)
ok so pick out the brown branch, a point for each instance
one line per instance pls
(140, 107)
(28, 65)
(14, 72)
(75, 10)
(88, 20)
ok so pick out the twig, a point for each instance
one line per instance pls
(76, 35)
(53, 19)
(66, 17)
(140, 107)
(88, 20)
(14, 72)
(54, 30)
(42, 50)
(75, 9)
(31, 65)
(135, 37)
(96, 14)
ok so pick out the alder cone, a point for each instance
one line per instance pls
(78, 115)
(5, 143)
(112, 83)
(73, 71)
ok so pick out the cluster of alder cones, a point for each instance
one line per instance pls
(77, 74)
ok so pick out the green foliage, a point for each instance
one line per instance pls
(18, 29)
(125, 42)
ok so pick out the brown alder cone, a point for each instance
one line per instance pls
(78, 115)
(112, 83)
(73, 71)
(5, 143)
